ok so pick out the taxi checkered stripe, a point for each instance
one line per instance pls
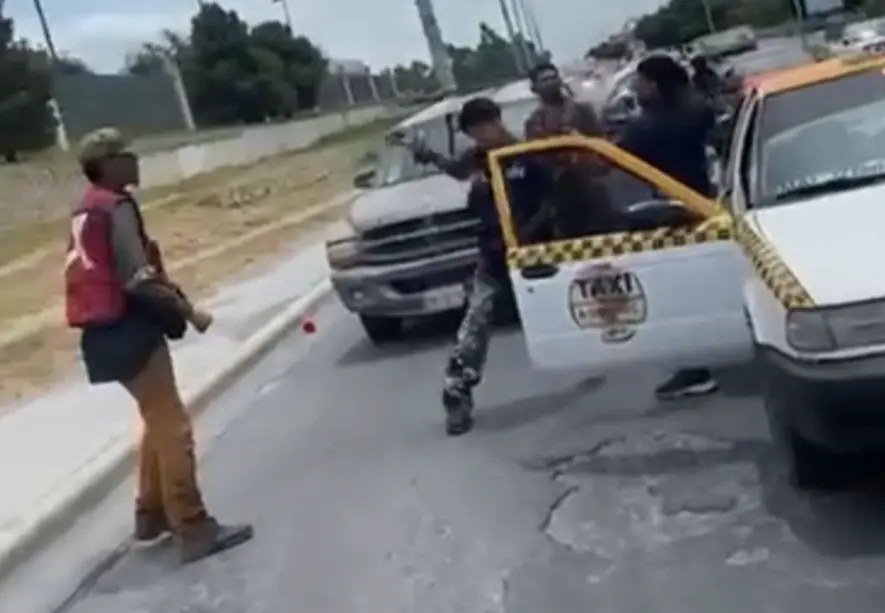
(610, 245)
(771, 269)
(768, 265)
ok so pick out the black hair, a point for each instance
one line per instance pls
(667, 74)
(92, 171)
(700, 61)
(478, 111)
(541, 67)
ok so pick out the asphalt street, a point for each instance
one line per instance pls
(571, 495)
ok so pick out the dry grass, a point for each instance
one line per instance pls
(189, 220)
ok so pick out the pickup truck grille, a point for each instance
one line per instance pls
(420, 238)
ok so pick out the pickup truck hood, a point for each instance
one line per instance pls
(386, 205)
(828, 243)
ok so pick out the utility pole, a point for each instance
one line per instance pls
(439, 56)
(511, 36)
(708, 13)
(61, 132)
(287, 15)
(47, 35)
(525, 38)
(529, 11)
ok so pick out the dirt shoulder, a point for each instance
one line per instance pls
(210, 228)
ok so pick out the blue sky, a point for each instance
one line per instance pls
(381, 32)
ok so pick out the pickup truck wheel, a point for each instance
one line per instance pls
(382, 330)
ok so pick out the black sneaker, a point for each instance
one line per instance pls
(684, 383)
(459, 411)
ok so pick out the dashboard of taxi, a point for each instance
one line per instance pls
(801, 143)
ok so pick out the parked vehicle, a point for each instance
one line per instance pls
(740, 39)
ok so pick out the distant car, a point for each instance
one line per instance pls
(733, 41)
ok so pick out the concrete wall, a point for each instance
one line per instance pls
(166, 167)
(48, 189)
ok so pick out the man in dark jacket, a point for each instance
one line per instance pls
(672, 135)
(528, 183)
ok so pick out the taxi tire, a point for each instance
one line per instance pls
(382, 330)
(808, 466)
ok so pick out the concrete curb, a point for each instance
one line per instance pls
(113, 464)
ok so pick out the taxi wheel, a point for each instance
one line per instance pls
(382, 330)
(808, 466)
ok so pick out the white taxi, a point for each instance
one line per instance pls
(773, 269)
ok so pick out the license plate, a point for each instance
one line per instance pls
(445, 298)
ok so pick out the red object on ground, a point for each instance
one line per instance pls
(308, 327)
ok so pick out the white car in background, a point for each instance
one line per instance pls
(868, 36)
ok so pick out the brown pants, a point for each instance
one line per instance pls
(167, 476)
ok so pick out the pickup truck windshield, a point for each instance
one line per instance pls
(396, 164)
(822, 138)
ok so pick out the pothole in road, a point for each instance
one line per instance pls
(648, 491)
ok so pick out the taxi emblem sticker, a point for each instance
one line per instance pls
(609, 299)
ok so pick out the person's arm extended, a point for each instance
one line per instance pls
(460, 167)
(134, 266)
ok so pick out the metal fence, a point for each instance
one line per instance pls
(140, 105)
(150, 105)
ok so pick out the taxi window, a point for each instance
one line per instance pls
(821, 137)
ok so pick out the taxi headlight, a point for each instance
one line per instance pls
(846, 327)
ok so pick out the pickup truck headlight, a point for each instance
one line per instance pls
(845, 327)
(343, 253)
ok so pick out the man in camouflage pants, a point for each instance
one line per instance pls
(528, 183)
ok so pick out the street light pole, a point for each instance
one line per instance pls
(532, 20)
(511, 36)
(61, 132)
(47, 35)
(708, 13)
(287, 15)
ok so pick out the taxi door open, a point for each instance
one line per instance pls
(664, 296)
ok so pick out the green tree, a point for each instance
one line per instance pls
(26, 120)
(417, 77)
(681, 21)
(492, 61)
(237, 74)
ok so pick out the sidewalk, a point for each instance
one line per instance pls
(44, 444)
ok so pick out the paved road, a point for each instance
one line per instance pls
(572, 495)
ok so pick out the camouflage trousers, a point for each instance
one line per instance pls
(467, 361)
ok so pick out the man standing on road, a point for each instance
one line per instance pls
(480, 119)
(558, 113)
(583, 205)
(117, 293)
(672, 135)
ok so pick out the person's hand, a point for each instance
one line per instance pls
(201, 320)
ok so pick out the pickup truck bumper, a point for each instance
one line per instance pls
(407, 289)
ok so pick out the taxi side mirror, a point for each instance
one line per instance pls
(658, 213)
